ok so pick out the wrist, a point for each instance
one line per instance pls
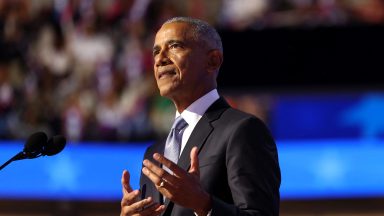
(205, 205)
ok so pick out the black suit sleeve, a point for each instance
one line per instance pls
(253, 172)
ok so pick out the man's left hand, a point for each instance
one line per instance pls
(181, 187)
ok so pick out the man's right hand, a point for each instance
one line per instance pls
(132, 206)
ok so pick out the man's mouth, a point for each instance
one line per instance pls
(167, 73)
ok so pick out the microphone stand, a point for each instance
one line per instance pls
(31, 150)
(16, 157)
(20, 156)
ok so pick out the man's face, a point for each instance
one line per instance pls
(179, 61)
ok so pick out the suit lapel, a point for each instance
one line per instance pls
(198, 137)
(201, 132)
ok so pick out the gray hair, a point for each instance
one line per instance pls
(201, 30)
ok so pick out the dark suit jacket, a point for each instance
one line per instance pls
(238, 164)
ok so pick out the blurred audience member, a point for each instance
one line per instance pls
(84, 67)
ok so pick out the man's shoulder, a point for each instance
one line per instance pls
(236, 114)
(223, 110)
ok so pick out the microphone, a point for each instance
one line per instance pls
(33, 147)
(54, 145)
(38, 145)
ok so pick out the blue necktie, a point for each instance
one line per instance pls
(173, 143)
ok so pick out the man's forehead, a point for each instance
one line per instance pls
(173, 31)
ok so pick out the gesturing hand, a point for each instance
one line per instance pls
(132, 206)
(181, 187)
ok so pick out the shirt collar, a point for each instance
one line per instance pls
(196, 110)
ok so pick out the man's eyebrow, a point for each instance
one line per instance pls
(173, 41)
(155, 48)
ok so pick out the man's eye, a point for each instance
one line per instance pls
(175, 46)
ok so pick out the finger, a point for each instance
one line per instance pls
(172, 166)
(138, 206)
(160, 209)
(129, 198)
(153, 210)
(156, 173)
(125, 182)
(194, 169)
(129, 195)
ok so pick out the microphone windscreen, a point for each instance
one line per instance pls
(35, 142)
(55, 145)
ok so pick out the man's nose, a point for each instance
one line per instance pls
(162, 58)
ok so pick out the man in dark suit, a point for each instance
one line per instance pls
(228, 162)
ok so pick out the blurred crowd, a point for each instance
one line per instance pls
(83, 68)
(259, 14)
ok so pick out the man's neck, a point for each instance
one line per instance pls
(183, 103)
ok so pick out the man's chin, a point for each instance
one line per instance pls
(168, 92)
(165, 92)
(170, 88)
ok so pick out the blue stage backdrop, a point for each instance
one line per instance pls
(92, 171)
(330, 146)
(86, 171)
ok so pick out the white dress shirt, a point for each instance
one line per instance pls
(194, 112)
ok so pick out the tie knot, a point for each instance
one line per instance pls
(179, 123)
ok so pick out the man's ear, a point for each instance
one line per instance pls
(215, 59)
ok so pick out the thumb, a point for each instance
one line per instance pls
(194, 162)
(125, 178)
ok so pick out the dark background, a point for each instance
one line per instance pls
(336, 57)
